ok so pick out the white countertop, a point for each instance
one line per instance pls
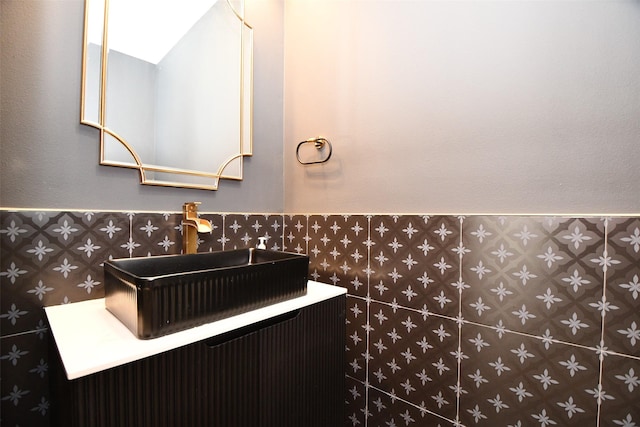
(90, 339)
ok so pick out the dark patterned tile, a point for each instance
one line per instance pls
(17, 270)
(536, 275)
(106, 238)
(24, 389)
(621, 391)
(78, 269)
(411, 342)
(242, 231)
(112, 232)
(338, 251)
(415, 262)
(15, 228)
(274, 232)
(56, 259)
(387, 410)
(622, 321)
(355, 402)
(67, 228)
(357, 328)
(19, 312)
(512, 379)
(414, 357)
(237, 231)
(212, 242)
(295, 233)
(155, 234)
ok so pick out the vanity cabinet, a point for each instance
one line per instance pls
(287, 370)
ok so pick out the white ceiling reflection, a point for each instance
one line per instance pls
(148, 29)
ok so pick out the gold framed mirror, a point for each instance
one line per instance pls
(169, 85)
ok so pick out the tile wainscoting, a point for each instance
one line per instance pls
(452, 320)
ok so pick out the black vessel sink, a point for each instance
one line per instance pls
(159, 295)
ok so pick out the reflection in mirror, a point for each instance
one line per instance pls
(169, 85)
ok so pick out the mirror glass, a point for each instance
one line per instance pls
(169, 85)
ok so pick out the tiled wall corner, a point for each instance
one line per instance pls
(451, 320)
(622, 264)
(337, 247)
(484, 320)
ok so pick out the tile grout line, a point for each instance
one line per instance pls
(459, 385)
(282, 233)
(604, 299)
(130, 242)
(493, 328)
(368, 329)
(422, 409)
(38, 330)
(223, 237)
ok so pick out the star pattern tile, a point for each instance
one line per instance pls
(414, 356)
(156, 234)
(386, 410)
(535, 274)
(356, 340)
(355, 402)
(25, 380)
(620, 391)
(242, 231)
(622, 259)
(295, 234)
(514, 379)
(451, 320)
(415, 262)
(211, 242)
(337, 246)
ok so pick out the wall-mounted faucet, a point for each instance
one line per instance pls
(191, 226)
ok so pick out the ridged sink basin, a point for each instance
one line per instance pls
(159, 295)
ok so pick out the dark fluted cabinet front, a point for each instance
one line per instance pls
(285, 371)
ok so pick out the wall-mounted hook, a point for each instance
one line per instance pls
(320, 143)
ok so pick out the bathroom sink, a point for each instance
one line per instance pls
(158, 295)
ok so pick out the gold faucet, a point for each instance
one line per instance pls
(191, 226)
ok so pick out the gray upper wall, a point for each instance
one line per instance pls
(49, 161)
(476, 106)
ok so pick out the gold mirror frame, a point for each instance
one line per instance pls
(231, 167)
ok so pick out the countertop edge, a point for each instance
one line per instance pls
(90, 339)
